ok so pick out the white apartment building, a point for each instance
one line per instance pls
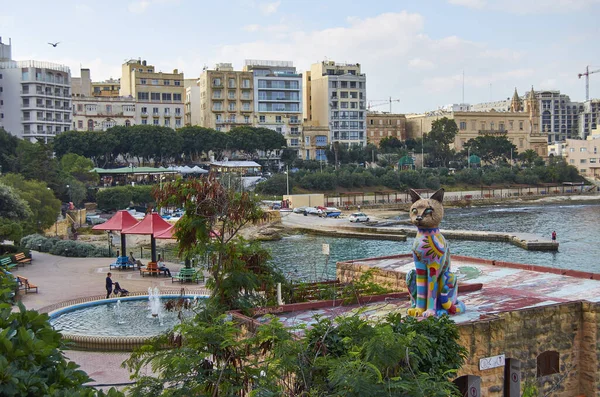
(100, 114)
(36, 99)
(589, 115)
(335, 95)
(277, 98)
(192, 102)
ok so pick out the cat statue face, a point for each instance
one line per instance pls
(427, 213)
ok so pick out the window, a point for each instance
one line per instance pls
(261, 119)
(167, 111)
(155, 96)
(80, 124)
(127, 123)
(177, 111)
(245, 94)
(155, 111)
(463, 125)
(294, 131)
(333, 84)
(483, 125)
(142, 96)
(232, 106)
(144, 110)
(571, 161)
(247, 119)
(592, 161)
(217, 106)
(177, 82)
(176, 97)
(155, 122)
(571, 149)
(177, 122)
(343, 84)
(582, 161)
(246, 83)
(344, 105)
(520, 125)
(154, 82)
(353, 105)
(167, 122)
(231, 94)
(583, 149)
(142, 81)
(510, 125)
(501, 126)
(166, 97)
(548, 363)
(279, 129)
(278, 119)
(353, 84)
(144, 121)
(217, 82)
(167, 82)
(344, 94)
(231, 83)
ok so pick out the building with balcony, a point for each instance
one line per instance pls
(334, 96)
(385, 125)
(35, 98)
(588, 117)
(102, 113)
(84, 86)
(314, 142)
(226, 97)
(192, 102)
(159, 96)
(277, 98)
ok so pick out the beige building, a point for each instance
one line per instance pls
(385, 125)
(584, 154)
(102, 113)
(519, 127)
(335, 95)
(314, 142)
(106, 89)
(159, 96)
(226, 97)
(192, 102)
(84, 86)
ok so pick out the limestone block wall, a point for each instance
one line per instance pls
(524, 335)
(347, 272)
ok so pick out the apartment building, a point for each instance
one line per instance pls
(335, 95)
(385, 125)
(35, 98)
(226, 97)
(84, 86)
(159, 96)
(192, 102)
(100, 114)
(314, 142)
(588, 117)
(277, 98)
(584, 154)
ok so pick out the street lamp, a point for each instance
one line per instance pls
(70, 196)
(287, 179)
(109, 234)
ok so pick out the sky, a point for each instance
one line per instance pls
(412, 51)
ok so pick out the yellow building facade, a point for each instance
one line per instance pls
(159, 96)
(385, 125)
(314, 142)
(226, 98)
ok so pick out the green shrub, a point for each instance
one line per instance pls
(68, 248)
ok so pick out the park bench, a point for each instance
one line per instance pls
(22, 259)
(151, 269)
(25, 285)
(188, 274)
(7, 263)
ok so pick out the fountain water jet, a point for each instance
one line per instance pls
(154, 303)
(118, 312)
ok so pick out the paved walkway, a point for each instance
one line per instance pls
(60, 279)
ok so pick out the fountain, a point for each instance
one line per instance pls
(154, 303)
(119, 312)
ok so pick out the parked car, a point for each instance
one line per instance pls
(299, 210)
(358, 217)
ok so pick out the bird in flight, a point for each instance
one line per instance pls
(54, 44)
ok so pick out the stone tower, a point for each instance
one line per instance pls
(516, 105)
(533, 108)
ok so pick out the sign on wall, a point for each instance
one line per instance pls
(325, 249)
(491, 362)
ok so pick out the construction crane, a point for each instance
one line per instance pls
(373, 104)
(587, 80)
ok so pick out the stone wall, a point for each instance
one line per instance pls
(59, 229)
(347, 272)
(571, 329)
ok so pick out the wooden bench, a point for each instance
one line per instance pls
(151, 269)
(7, 263)
(188, 274)
(25, 285)
(20, 258)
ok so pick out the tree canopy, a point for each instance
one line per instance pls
(438, 140)
(491, 148)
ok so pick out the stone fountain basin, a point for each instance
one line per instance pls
(94, 325)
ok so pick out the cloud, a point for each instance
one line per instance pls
(269, 8)
(83, 9)
(140, 6)
(468, 3)
(523, 7)
(421, 64)
(502, 54)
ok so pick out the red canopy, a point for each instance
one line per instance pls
(166, 234)
(152, 224)
(120, 221)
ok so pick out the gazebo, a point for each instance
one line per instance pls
(120, 221)
(406, 163)
(152, 225)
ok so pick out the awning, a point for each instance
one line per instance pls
(151, 224)
(120, 221)
(167, 233)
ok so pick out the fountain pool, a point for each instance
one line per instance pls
(116, 324)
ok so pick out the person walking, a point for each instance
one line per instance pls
(554, 236)
(109, 285)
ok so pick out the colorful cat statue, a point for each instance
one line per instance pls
(431, 284)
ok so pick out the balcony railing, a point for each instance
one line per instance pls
(294, 121)
(493, 132)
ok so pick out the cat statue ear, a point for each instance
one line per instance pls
(414, 196)
(438, 196)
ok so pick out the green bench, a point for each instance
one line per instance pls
(7, 263)
(188, 274)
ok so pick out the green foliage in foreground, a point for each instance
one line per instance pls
(31, 359)
(121, 197)
(346, 357)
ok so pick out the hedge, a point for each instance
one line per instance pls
(68, 248)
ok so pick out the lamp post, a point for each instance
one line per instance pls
(287, 179)
(109, 234)
(70, 195)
